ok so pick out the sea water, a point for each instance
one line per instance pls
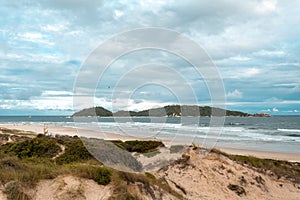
(276, 133)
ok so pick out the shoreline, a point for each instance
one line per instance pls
(61, 130)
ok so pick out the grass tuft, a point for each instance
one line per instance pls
(13, 190)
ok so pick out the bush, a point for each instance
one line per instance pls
(138, 146)
(37, 147)
(102, 176)
(75, 151)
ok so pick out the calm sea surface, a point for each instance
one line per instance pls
(276, 133)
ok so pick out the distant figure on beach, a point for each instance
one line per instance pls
(45, 130)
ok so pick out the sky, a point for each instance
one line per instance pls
(255, 46)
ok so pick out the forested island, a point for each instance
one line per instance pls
(166, 111)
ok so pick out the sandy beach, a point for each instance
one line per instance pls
(60, 130)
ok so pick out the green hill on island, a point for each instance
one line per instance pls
(166, 111)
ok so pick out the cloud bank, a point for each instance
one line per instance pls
(254, 44)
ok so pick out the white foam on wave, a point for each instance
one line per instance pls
(288, 130)
(164, 130)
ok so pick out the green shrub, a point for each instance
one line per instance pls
(138, 146)
(37, 147)
(75, 151)
(102, 176)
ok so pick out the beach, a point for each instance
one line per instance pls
(61, 130)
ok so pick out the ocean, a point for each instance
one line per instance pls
(276, 133)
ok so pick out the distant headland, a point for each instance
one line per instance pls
(167, 111)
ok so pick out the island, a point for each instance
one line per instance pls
(166, 111)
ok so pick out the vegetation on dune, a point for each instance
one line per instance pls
(26, 171)
(75, 152)
(284, 169)
(37, 147)
(149, 182)
(14, 191)
(29, 161)
(138, 146)
(279, 168)
(24, 163)
(100, 174)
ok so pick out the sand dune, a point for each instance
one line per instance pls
(214, 176)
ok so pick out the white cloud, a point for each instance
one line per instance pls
(251, 72)
(236, 94)
(32, 36)
(240, 58)
(35, 38)
(118, 14)
(266, 7)
(53, 28)
(56, 93)
(292, 111)
(240, 72)
(275, 110)
(45, 103)
(130, 104)
(285, 84)
(268, 53)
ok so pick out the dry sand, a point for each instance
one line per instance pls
(61, 130)
(208, 178)
(70, 187)
(291, 157)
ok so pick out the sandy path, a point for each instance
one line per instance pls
(63, 148)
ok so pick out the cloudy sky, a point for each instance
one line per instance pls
(44, 44)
